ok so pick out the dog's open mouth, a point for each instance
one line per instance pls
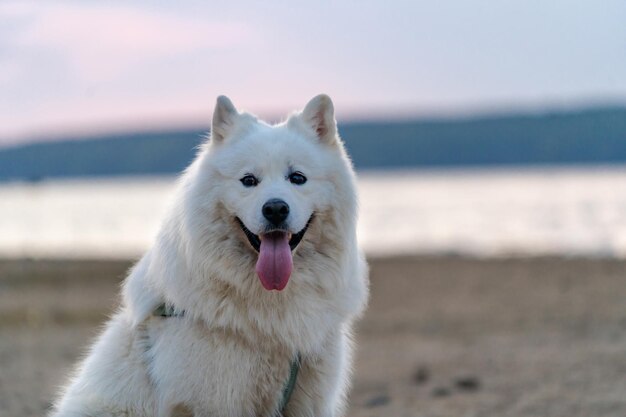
(275, 262)
(255, 240)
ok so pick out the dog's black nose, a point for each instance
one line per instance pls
(276, 211)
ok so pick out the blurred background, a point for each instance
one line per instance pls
(494, 131)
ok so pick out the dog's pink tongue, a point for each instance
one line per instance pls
(274, 263)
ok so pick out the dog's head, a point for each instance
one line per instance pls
(276, 183)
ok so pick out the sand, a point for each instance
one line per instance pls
(443, 336)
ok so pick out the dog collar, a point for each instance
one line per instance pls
(290, 384)
(167, 310)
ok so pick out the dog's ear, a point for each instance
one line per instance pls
(319, 114)
(224, 118)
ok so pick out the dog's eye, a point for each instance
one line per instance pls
(297, 178)
(249, 180)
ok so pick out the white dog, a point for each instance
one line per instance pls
(244, 305)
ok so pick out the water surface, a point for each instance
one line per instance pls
(495, 212)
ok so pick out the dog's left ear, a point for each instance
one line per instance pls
(224, 117)
(319, 114)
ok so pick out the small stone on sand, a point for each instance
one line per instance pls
(378, 401)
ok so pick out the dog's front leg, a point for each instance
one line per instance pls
(323, 381)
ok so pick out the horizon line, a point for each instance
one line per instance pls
(449, 114)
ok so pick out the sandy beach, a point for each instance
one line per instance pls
(443, 336)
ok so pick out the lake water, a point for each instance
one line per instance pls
(495, 212)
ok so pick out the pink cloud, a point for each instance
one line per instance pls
(102, 41)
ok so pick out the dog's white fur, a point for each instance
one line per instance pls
(229, 355)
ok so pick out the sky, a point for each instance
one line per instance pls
(81, 66)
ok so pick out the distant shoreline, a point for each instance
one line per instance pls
(43, 263)
(586, 136)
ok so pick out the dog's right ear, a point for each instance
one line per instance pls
(319, 116)
(224, 118)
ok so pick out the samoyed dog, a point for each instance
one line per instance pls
(244, 304)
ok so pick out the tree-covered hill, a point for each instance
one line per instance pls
(582, 137)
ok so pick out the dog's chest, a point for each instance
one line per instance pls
(215, 371)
